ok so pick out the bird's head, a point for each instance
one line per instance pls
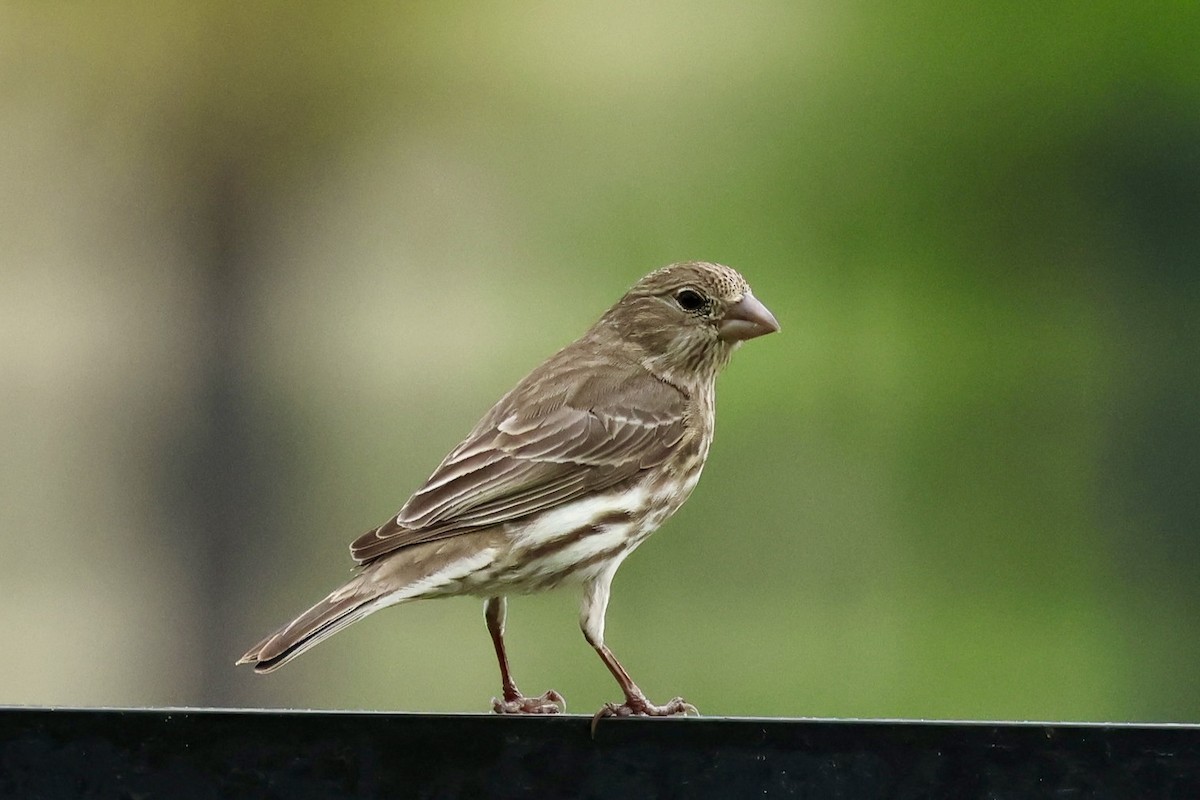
(686, 319)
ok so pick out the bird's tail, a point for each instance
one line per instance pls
(342, 607)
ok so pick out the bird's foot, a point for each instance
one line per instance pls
(641, 707)
(549, 703)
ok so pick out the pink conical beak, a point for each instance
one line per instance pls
(747, 319)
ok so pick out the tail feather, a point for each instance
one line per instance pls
(429, 569)
(341, 608)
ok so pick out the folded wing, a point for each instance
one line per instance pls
(527, 457)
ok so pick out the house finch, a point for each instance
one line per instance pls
(561, 479)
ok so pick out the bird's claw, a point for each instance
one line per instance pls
(641, 707)
(549, 703)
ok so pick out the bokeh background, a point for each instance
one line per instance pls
(262, 265)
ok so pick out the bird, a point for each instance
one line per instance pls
(561, 480)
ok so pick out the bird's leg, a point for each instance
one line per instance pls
(591, 620)
(514, 702)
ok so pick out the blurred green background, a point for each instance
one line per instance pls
(262, 265)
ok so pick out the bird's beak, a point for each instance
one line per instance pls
(747, 319)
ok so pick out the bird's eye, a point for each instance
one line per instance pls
(689, 300)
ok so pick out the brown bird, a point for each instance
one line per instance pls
(561, 479)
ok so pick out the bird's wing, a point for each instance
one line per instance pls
(526, 457)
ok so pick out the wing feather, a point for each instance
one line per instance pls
(525, 457)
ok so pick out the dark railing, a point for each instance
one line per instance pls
(46, 754)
